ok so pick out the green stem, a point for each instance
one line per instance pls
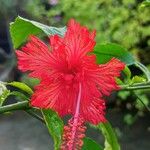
(12, 107)
(136, 86)
(141, 83)
(128, 88)
(20, 106)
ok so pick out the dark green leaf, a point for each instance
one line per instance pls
(22, 28)
(111, 142)
(21, 86)
(105, 52)
(54, 125)
(31, 82)
(19, 96)
(89, 144)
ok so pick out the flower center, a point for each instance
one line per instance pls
(68, 77)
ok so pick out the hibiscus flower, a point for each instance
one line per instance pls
(71, 82)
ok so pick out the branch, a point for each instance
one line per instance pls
(20, 106)
(137, 86)
(17, 106)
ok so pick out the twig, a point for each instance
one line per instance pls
(137, 86)
(20, 106)
(13, 107)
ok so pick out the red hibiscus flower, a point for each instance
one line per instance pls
(71, 81)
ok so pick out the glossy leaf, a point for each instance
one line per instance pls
(111, 142)
(105, 52)
(89, 144)
(21, 28)
(54, 125)
(21, 86)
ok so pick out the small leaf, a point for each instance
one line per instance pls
(2, 87)
(21, 86)
(4, 93)
(31, 82)
(22, 28)
(119, 81)
(137, 79)
(127, 72)
(54, 125)
(89, 144)
(105, 52)
(111, 142)
(3, 96)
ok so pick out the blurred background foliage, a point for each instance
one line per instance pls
(121, 21)
(125, 22)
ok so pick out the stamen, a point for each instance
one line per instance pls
(74, 131)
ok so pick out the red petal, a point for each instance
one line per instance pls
(105, 76)
(34, 57)
(53, 95)
(78, 41)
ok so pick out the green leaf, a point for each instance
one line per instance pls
(19, 96)
(127, 72)
(54, 125)
(137, 79)
(111, 142)
(21, 86)
(105, 52)
(22, 28)
(3, 96)
(4, 93)
(31, 82)
(89, 144)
